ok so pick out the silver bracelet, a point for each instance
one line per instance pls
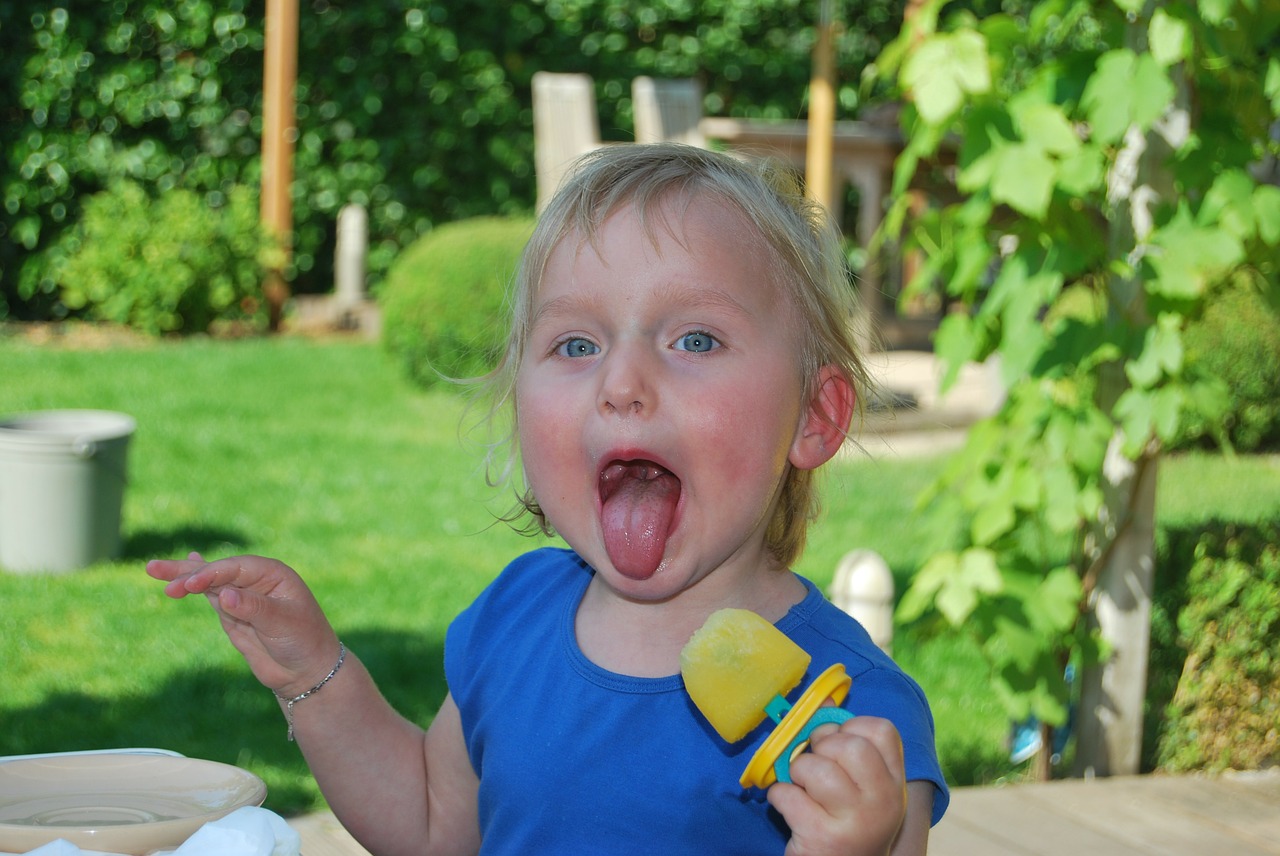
(290, 702)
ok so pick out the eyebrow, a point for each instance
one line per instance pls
(675, 294)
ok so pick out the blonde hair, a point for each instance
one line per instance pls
(802, 241)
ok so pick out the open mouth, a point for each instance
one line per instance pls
(638, 500)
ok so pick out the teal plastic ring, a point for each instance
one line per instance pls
(823, 716)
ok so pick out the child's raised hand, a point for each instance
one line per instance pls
(267, 611)
(848, 793)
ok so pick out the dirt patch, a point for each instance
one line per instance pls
(75, 335)
(93, 336)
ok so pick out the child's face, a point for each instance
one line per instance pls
(659, 398)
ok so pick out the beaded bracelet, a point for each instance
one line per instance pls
(290, 702)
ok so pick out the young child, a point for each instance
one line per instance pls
(681, 360)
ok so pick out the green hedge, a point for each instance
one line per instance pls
(166, 265)
(1238, 341)
(444, 300)
(419, 110)
(1214, 684)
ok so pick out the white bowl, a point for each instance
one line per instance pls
(119, 803)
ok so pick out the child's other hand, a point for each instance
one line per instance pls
(267, 611)
(848, 793)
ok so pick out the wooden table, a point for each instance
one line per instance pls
(861, 154)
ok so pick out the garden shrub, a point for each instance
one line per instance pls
(1238, 341)
(444, 299)
(168, 265)
(1215, 656)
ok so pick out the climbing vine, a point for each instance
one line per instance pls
(1110, 162)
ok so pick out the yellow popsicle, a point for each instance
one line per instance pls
(734, 665)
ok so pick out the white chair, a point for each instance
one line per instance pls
(565, 126)
(668, 110)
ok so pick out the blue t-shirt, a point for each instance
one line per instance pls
(574, 759)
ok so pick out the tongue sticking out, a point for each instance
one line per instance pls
(639, 501)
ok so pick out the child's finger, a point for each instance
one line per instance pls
(169, 569)
(238, 571)
(860, 761)
(878, 733)
(242, 604)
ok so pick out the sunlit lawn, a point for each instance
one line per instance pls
(320, 454)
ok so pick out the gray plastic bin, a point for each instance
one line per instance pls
(62, 479)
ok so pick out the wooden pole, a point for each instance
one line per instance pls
(822, 111)
(279, 131)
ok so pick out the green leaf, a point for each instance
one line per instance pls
(1020, 350)
(974, 175)
(1089, 501)
(1214, 12)
(1024, 179)
(976, 573)
(1024, 487)
(1271, 85)
(1060, 498)
(992, 519)
(1228, 204)
(1025, 338)
(973, 257)
(935, 573)
(1015, 644)
(1011, 279)
(1091, 433)
(1162, 353)
(1055, 606)
(1135, 410)
(1045, 126)
(985, 128)
(1125, 89)
(1190, 257)
(952, 582)
(956, 344)
(1082, 172)
(943, 70)
(1168, 38)
(1266, 212)
(1166, 411)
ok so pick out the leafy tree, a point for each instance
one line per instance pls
(1108, 157)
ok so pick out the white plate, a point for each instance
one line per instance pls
(131, 804)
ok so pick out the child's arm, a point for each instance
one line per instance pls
(848, 795)
(371, 764)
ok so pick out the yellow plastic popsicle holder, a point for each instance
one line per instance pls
(772, 761)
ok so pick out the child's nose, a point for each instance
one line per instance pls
(627, 385)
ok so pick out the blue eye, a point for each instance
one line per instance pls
(698, 342)
(577, 347)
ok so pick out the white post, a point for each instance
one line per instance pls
(863, 588)
(349, 258)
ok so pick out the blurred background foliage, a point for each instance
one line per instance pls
(418, 109)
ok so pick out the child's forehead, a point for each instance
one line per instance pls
(682, 217)
(710, 258)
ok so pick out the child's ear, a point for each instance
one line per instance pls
(825, 422)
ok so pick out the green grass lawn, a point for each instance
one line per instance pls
(322, 455)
